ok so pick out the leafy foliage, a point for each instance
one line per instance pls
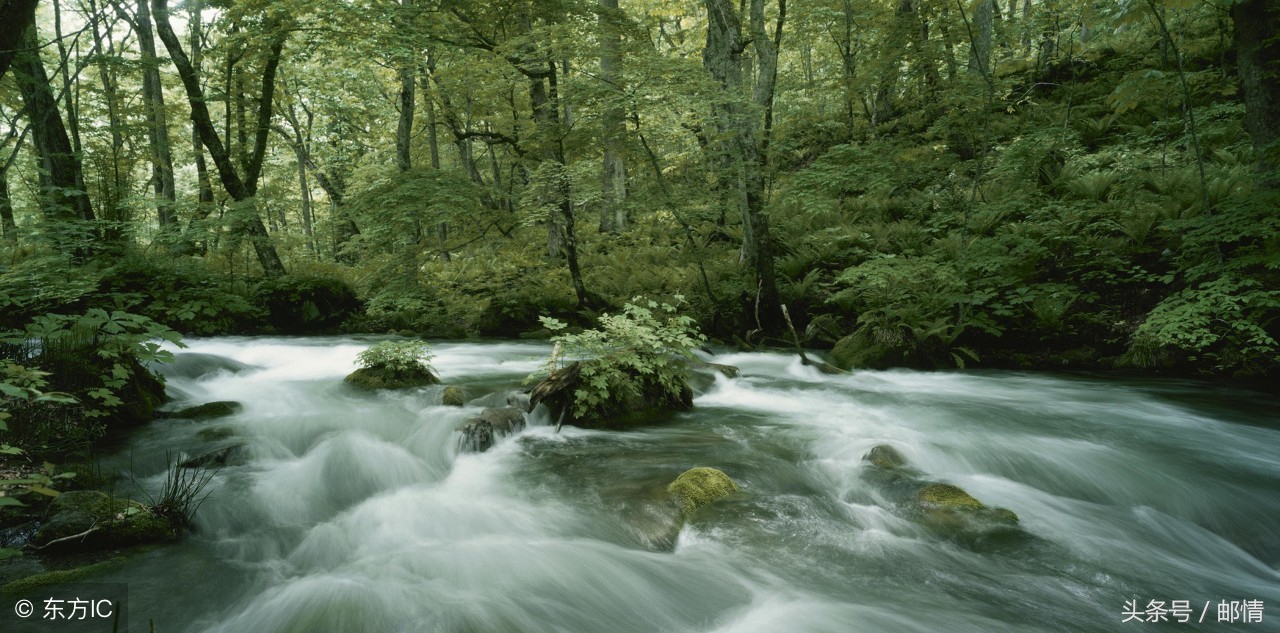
(397, 356)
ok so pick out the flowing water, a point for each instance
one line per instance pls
(357, 512)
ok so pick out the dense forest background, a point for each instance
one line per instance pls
(924, 183)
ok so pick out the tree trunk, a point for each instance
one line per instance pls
(980, 50)
(16, 15)
(65, 200)
(157, 124)
(8, 227)
(722, 58)
(561, 238)
(613, 213)
(240, 189)
(1257, 23)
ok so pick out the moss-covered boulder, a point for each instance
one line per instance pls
(885, 457)
(88, 519)
(698, 487)
(386, 377)
(634, 395)
(480, 433)
(53, 578)
(949, 508)
(207, 411)
(453, 397)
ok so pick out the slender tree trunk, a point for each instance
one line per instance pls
(613, 213)
(433, 145)
(241, 189)
(1257, 23)
(980, 51)
(157, 124)
(722, 58)
(561, 237)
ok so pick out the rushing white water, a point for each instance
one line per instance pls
(356, 512)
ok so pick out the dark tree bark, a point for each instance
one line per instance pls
(8, 227)
(65, 200)
(1257, 23)
(16, 16)
(241, 189)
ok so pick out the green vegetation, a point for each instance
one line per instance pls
(394, 365)
(697, 487)
(635, 361)
(922, 183)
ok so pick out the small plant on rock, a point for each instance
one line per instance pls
(394, 365)
(633, 361)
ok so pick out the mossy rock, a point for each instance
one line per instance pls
(951, 510)
(698, 487)
(233, 455)
(45, 580)
(109, 521)
(207, 411)
(384, 377)
(453, 397)
(641, 395)
(885, 457)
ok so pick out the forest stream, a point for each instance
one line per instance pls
(355, 511)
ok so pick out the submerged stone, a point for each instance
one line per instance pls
(885, 457)
(227, 456)
(698, 487)
(215, 433)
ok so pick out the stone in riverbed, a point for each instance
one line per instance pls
(208, 410)
(480, 433)
(227, 456)
(383, 377)
(698, 487)
(453, 397)
(102, 520)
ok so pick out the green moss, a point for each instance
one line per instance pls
(453, 397)
(885, 457)
(381, 377)
(113, 521)
(947, 497)
(698, 487)
(37, 582)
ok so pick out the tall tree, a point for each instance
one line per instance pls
(1257, 25)
(613, 213)
(157, 122)
(64, 200)
(16, 16)
(738, 130)
(241, 187)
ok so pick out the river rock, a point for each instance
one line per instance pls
(215, 433)
(519, 400)
(558, 393)
(233, 455)
(384, 377)
(481, 432)
(453, 397)
(885, 457)
(943, 507)
(206, 411)
(698, 487)
(104, 522)
(194, 365)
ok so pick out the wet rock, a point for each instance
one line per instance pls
(87, 519)
(698, 487)
(215, 433)
(233, 455)
(383, 377)
(480, 433)
(42, 581)
(193, 365)
(18, 536)
(885, 457)
(453, 397)
(728, 371)
(518, 400)
(206, 411)
(645, 394)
